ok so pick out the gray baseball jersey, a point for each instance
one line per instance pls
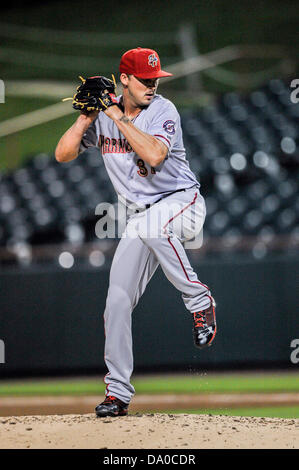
(127, 170)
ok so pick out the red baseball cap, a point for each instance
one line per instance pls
(143, 63)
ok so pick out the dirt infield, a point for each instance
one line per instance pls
(48, 405)
(65, 422)
(148, 431)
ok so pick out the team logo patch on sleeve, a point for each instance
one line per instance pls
(168, 126)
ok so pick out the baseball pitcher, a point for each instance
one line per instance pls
(140, 137)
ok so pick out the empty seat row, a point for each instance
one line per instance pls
(244, 149)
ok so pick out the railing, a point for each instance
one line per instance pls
(259, 247)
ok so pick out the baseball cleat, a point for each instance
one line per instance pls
(204, 326)
(111, 406)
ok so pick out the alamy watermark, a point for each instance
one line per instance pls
(2, 352)
(161, 220)
(2, 91)
(295, 93)
(295, 353)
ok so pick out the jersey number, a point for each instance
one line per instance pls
(143, 171)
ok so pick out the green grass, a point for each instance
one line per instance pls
(166, 384)
(222, 383)
(55, 388)
(228, 383)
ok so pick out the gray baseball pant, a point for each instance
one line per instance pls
(152, 237)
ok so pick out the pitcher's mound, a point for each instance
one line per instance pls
(148, 431)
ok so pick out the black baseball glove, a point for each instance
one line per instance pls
(94, 94)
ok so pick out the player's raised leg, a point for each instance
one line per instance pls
(175, 264)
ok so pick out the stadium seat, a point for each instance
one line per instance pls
(244, 149)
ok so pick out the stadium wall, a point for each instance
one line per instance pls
(52, 320)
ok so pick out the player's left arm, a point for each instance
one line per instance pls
(148, 147)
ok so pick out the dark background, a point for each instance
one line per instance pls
(51, 318)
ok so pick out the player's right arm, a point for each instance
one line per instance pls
(68, 147)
